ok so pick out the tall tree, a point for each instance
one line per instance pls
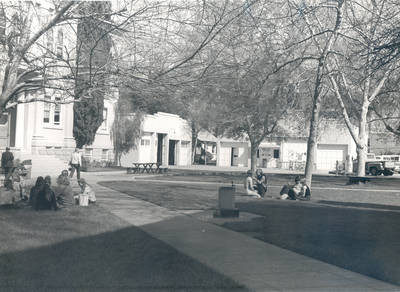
(94, 46)
(357, 81)
(318, 24)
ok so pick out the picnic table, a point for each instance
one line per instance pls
(148, 167)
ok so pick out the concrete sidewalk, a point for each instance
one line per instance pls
(255, 264)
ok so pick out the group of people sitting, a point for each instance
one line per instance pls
(45, 196)
(256, 186)
(298, 191)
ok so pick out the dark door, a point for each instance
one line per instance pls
(171, 152)
(13, 125)
(160, 138)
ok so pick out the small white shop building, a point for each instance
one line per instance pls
(165, 139)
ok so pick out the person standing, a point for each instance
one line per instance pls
(7, 164)
(76, 162)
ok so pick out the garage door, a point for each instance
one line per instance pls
(327, 155)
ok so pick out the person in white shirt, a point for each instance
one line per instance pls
(75, 162)
(87, 195)
(249, 186)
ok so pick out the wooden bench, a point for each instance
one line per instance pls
(358, 179)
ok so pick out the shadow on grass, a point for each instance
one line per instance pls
(364, 241)
(360, 205)
(127, 259)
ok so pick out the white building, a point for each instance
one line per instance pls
(166, 139)
(41, 130)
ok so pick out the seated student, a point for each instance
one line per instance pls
(8, 196)
(18, 181)
(260, 182)
(35, 191)
(63, 190)
(46, 199)
(249, 186)
(298, 191)
(87, 195)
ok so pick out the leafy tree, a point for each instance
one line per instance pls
(126, 129)
(94, 45)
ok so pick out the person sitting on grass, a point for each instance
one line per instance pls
(298, 191)
(63, 190)
(249, 186)
(38, 187)
(8, 196)
(260, 182)
(46, 199)
(87, 195)
(18, 181)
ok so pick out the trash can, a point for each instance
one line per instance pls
(226, 198)
(226, 203)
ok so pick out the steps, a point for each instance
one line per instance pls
(44, 164)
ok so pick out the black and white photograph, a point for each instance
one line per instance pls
(200, 145)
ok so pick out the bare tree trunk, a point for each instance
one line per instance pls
(194, 141)
(313, 136)
(323, 51)
(362, 146)
(253, 155)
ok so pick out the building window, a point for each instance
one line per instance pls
(104, 154)
(145, 142)
(276, 153)
(88, 152)
(50, 40)
(47, 107)
(258, 153)
(104, 124)
(60, 43)
(51, 110)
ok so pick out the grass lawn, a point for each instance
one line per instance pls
(180, 196)
(359, 239)
(89, 249)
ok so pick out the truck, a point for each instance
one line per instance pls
(376, 166)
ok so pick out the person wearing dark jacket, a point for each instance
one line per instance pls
(7, 163)
(46, 199)
(260, 182)
(35, 190)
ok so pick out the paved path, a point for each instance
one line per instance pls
(255, 264)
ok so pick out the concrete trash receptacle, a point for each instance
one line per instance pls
(226, 203)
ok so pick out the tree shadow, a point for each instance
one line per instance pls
(364, 241)
(126, 259)
(360, 205)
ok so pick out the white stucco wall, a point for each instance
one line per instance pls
(173, 127)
